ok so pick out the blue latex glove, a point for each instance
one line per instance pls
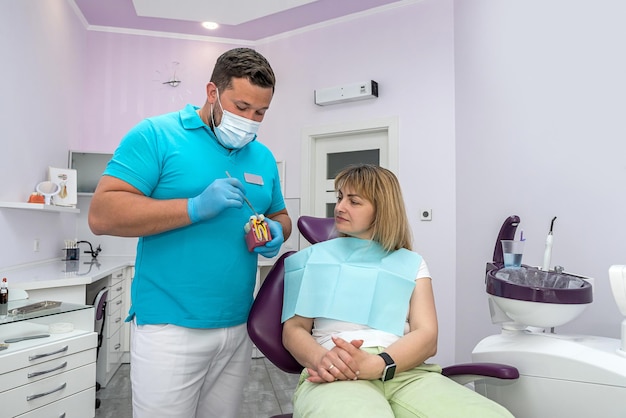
(270, 249)
(217, 197)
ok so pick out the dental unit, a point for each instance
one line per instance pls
(568, 375)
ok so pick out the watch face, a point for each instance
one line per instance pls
(390, 371)
(390, 367)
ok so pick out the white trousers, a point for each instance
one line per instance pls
(178, 372)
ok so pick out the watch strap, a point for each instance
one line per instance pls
(388, 360)
(390, 367)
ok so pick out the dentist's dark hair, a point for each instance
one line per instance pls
(243, 63)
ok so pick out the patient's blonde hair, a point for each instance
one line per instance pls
(381, 187)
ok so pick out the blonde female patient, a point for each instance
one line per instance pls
(359, 314)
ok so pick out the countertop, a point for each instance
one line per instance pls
(59, 273)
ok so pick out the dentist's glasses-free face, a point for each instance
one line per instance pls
(244, 99)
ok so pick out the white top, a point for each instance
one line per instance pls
(324, 328)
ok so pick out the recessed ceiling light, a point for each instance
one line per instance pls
(210, 25)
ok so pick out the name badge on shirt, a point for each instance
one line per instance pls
(253, 179)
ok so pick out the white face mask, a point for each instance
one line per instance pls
(234, 131)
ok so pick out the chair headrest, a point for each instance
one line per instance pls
(317, 229)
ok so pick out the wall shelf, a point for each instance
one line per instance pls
(38, 206)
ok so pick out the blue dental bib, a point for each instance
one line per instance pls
(353, 280)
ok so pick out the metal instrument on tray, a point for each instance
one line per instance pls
(34, 307)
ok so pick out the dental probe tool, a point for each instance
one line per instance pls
(245, 199)
(548, 251)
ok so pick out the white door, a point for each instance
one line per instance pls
(327, 150)
(334, 153)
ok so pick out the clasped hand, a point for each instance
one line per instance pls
(220, 195)
(271, 248)
(342, 362)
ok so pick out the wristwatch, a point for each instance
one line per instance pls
(390, 367)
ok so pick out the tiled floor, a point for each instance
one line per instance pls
(268, 392)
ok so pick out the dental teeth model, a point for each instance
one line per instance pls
(257, 232)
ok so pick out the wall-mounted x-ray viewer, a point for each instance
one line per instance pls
(89, 167)
(346, 93)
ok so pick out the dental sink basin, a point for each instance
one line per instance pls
(530, 297)
(534, 285)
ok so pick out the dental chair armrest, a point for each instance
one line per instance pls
(480, 370)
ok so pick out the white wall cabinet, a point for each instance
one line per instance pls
(52, 376)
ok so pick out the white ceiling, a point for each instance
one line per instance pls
(241, 21)
(230, 12)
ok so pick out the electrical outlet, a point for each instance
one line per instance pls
(426, 214)
(36, 245)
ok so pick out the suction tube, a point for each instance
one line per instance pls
(548, 251)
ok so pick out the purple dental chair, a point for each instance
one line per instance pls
(265, 327)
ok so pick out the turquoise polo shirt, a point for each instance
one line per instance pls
(201, 275)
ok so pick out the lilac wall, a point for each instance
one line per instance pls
(43, 46)
(540, 133)
(125, 79)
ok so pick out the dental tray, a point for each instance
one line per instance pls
(34, 307)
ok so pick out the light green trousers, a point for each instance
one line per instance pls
(421, 392)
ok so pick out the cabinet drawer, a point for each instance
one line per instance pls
(115, 320)
(115, 304)
(44, 370)
(114, 352)
(80, 405)
(35, 395)
(117, 275)
(116, 287)
(45, 352)
(110, 358)
(115, 290)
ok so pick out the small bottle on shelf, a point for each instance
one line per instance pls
(4, 298)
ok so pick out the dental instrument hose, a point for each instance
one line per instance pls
(547, 254)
